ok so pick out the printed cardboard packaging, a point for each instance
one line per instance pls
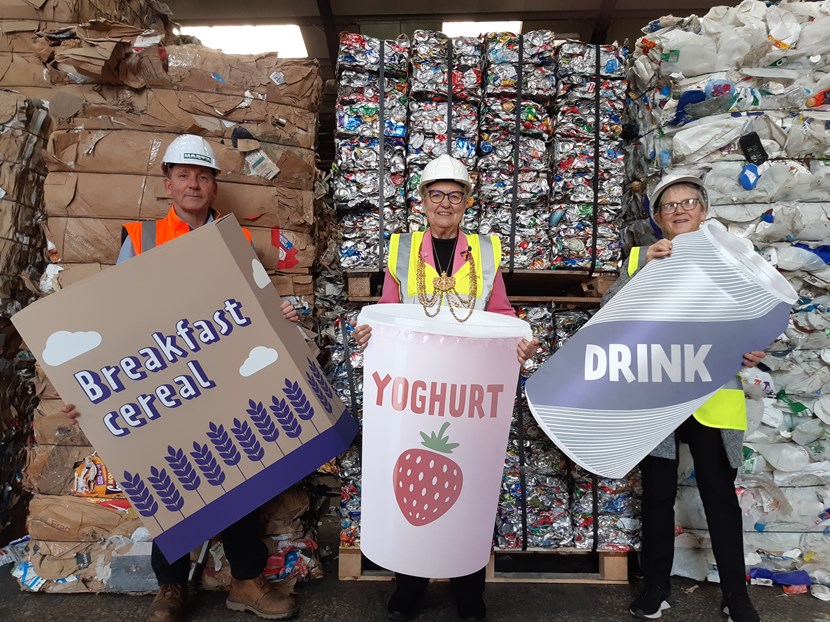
(203, 401)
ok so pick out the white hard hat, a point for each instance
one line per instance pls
(190, 149)
(670, 180)
(445, 167)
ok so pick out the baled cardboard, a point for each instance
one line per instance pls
(50, 468)
(98, 240)
(74, 519)
(74, 11)
(116, 565)
(171, 111)
(52, 427)
(215, 403)
(130, 152)
(143, 197)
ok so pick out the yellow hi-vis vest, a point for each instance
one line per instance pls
(727, 407)
(404, 249)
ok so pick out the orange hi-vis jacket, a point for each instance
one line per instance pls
(148, 234)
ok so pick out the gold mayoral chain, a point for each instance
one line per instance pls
(444, 287)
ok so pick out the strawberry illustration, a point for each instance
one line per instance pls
(427, 483)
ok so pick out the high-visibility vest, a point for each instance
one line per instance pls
(726, 408)
(148, 234)
(405, 248)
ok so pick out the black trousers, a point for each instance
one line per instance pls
(716, 483)
(246, 553)
(466, 590)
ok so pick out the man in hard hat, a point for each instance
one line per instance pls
(714, 434)
(190, 168)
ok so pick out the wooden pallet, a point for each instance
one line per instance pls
(563, 287)
(532, 566)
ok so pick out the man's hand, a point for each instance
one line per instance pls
(526, 349)
(661, 248)
(69, 411)
(751, 359)
(289, 312)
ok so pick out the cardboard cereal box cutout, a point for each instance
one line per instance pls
(203, 401)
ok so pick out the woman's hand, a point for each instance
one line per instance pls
(661, 248)
(289, 312)
(69, 411)
(526, 349)
(751, 359)
(361, 334)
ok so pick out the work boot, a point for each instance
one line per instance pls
(402, 608)
(739, 608)
(168, 605)
(651, 602)
(257, 596)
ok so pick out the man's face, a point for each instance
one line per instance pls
(443, 215)
(682, 220)
(192, 188)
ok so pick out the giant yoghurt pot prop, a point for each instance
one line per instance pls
(658, 350)
(437, 403)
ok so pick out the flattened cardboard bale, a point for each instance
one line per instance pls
(142, 197)
(132, 152)
(213, 114)
(76, 11)
(119, 565)
(281, 515)
(284, 250)
(17, 221)
(22, 69)
(53, 427)
(44, 389)
(293, 82)
(20, 183)
(50, 468)
(84, 240)
(75, 519)
(293, 284)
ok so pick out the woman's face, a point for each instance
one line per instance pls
(443, 216)
(681, 220)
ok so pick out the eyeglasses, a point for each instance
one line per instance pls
(437, 196)
(686, 204)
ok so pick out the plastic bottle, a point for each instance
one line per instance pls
(818, 99)
(784, 456)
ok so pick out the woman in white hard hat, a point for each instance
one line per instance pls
(444, 267)
(714, 434)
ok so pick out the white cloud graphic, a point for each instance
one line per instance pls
(259, 358)
(261, 277)
(63, 346)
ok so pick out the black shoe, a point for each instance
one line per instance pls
(472, 610)
(402, 609)
(739, 608)
(651, 602)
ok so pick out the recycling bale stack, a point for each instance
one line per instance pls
(588, 168)
(740, 96)
(446, 91)
(119, 98)
(514, 148)
(258, 112)
(24, 126)
(24, 42)
(491, 102)
(368, 176)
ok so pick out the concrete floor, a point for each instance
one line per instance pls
(365, 601)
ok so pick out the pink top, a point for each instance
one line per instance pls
(498, 302)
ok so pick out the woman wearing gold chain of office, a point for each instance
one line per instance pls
(445, 271)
